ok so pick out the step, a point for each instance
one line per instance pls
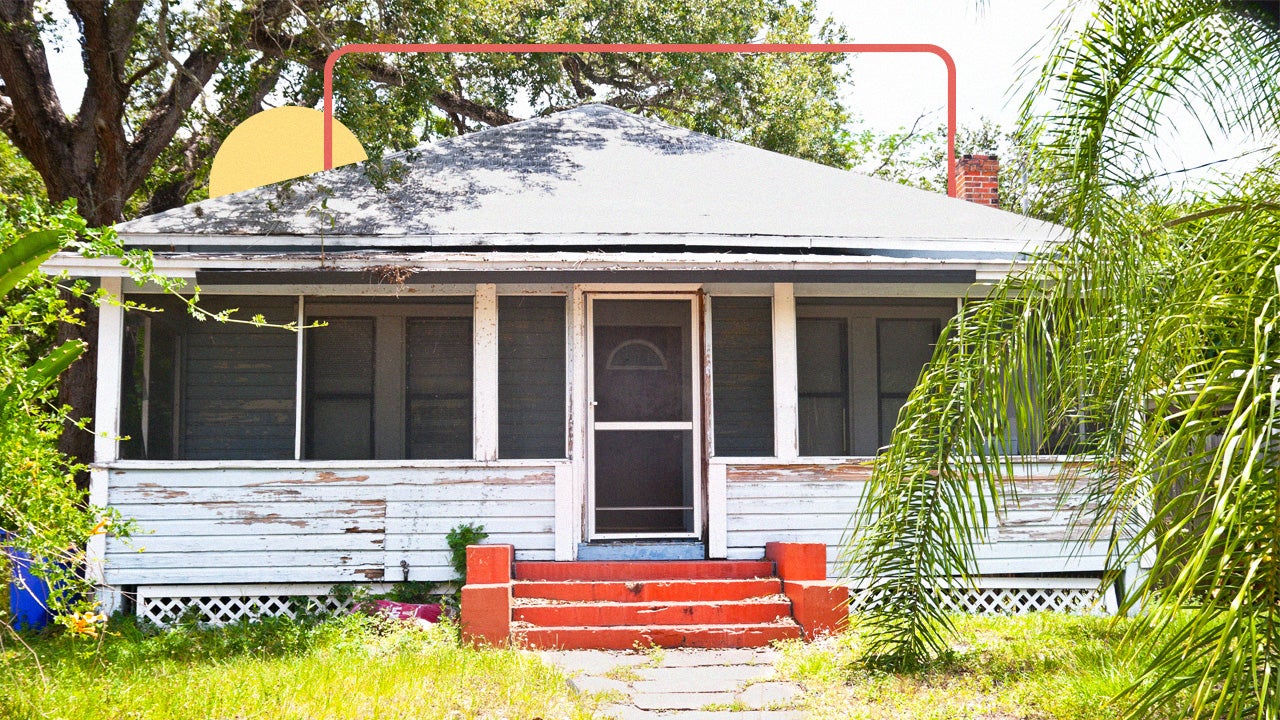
(645, 570)
(667, 636)
(647, 590)
(598, 614)
(642, 550)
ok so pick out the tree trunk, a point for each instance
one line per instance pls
(77, 387)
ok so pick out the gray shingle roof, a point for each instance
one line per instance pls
(595, 177)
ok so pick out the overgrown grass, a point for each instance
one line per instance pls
(347, 667)
(1039, 666)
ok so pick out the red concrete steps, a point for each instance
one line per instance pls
(615, 614)
(681, 603)
(596, 571)
(646, 591)
(666, 636)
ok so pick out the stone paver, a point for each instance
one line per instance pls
(593, 662)
(705, 678)
(770, 694)
(628, 712)
(738, 715)
(594, 684)
(683, 683)
(681, 700)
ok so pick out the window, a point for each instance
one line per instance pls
(822, 366)
(208, 390)
(742, 375)
(531, 377)
(389, 380)
(383, 378)
(857, 361)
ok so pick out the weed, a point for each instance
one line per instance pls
(624, 673)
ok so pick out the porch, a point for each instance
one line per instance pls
(265, 459)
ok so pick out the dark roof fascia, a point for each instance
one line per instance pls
(440, 277)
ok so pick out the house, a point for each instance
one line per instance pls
(600, 336)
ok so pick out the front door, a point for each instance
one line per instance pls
(644, 459)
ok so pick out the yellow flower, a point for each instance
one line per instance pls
(101, 528)
(85, 623)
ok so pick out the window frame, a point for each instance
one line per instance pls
(862, 316)
(390, 432)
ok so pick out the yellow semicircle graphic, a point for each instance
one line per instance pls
(278, 144)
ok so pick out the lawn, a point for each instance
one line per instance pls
(1032, 667)
(349, 667)
(1039, 666)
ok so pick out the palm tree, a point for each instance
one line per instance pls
(1149, 342)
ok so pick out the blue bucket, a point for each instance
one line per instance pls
(28, 594)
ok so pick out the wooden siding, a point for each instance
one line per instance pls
(268, 525)
(814, 503)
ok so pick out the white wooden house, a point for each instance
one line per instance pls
(593, 333)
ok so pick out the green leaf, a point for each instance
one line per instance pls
(23, 257)
(45, 371)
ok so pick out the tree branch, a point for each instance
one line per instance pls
(197, 150)
(6, 115)
(98, 135)
(292, 47)
(156, 132)
(479, 112)
(40, 130)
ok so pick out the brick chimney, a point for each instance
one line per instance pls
(976, 179)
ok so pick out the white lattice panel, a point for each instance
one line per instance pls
(1012, 596)
(220, 605)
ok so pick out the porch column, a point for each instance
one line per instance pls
(571, 490)
(106, 429)
(786, 433)
(484, 419)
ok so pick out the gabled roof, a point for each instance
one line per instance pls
(594, 178)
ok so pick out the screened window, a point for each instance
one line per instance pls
(438, 390)
(822, 366)
(340, 384)
(209, 390)
(531, 377)
(389, 380)
(742, 375)
(857, 361)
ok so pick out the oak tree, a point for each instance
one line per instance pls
(166, 82)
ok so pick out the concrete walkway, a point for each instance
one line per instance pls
(685, 683)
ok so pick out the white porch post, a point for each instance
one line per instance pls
(571, 490)
(106, 428)
(717, 511)
(786, 433)
(485, 388)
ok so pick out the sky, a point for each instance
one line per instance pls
(989, 47)
(993, 47)
(992, 42)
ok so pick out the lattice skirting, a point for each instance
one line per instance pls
(1014, 596)
(221, 604)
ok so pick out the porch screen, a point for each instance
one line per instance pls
(389, 379)
(857, 361)
(531, 377)
(742, 375)
(207, 390)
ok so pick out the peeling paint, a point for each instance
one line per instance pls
(322, 477)
(158, 491)
(251, 518)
